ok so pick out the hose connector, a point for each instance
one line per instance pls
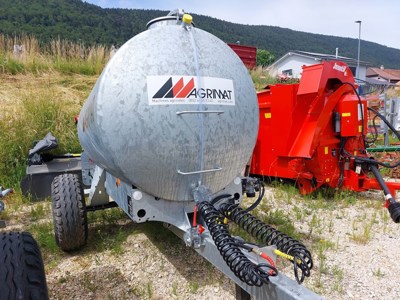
(394, 210)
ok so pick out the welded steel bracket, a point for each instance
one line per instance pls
(98, 195)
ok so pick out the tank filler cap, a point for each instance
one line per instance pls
(187, 19)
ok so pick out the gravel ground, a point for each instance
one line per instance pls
(354, 246)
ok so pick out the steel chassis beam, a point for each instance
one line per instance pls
(280, 287)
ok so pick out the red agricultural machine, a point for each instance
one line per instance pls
(315, 132)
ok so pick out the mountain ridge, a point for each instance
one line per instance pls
(81, 21)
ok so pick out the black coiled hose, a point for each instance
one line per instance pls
(240, 265)
(270, 236)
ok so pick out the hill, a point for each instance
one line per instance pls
(79, 21)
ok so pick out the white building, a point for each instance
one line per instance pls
(384, 75)
(291, 63)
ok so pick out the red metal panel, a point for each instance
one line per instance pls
(350, 117)
(248, 54)
(318, 117)
(274, 130)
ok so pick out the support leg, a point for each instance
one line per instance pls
(241, 294)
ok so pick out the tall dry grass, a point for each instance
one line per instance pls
(58, 55)
(262, 77)
(29, 42)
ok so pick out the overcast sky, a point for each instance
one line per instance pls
(380, 19)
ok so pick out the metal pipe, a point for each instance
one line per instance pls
(384, 149)
(218, 112)
(385, 127)
(199, 172)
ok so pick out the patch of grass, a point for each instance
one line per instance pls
(317, 201)
(108, 230)
(44, 235)
(299, 213)
(108, 216)
(5, 214)
(138, 292)
(88, 283)
(378, 273)
(193, 287)
(150, 289)
(63, 280)
(78, 66)
(164, 239)
(347, 197)
(362, 236)
(175, 288)
(114, 275)
(385, 217)
(39, 211)
(314, 225)
(331, 224)
(321, 247)
(374, 203)
(14, 204)
(338, 276)
(374, 219)
(11, 66)
(277, 217)
(282, 222)
(110, 237)
(285, 190)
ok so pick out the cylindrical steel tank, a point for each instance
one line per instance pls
(174, 108)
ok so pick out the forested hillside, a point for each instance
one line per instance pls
(79, 21)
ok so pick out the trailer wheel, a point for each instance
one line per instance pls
(69, 212)
(22, 273)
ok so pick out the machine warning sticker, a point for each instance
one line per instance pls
(190, 90)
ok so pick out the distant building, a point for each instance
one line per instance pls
(291, 63)
(384, 75)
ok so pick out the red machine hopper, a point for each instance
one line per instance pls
(313, 132)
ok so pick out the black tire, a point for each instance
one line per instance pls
(69, 212)
(22, 273)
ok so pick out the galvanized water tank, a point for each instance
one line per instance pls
(174, 108)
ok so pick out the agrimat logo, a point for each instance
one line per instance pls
(190, 90)
(340, 68)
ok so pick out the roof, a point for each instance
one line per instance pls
(321, 57)
(388, 74)
(378, 82)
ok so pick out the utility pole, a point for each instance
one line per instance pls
(358, 56)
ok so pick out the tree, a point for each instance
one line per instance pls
(264, 57)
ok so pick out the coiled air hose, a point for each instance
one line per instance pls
(270, 236)
(240, 265)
